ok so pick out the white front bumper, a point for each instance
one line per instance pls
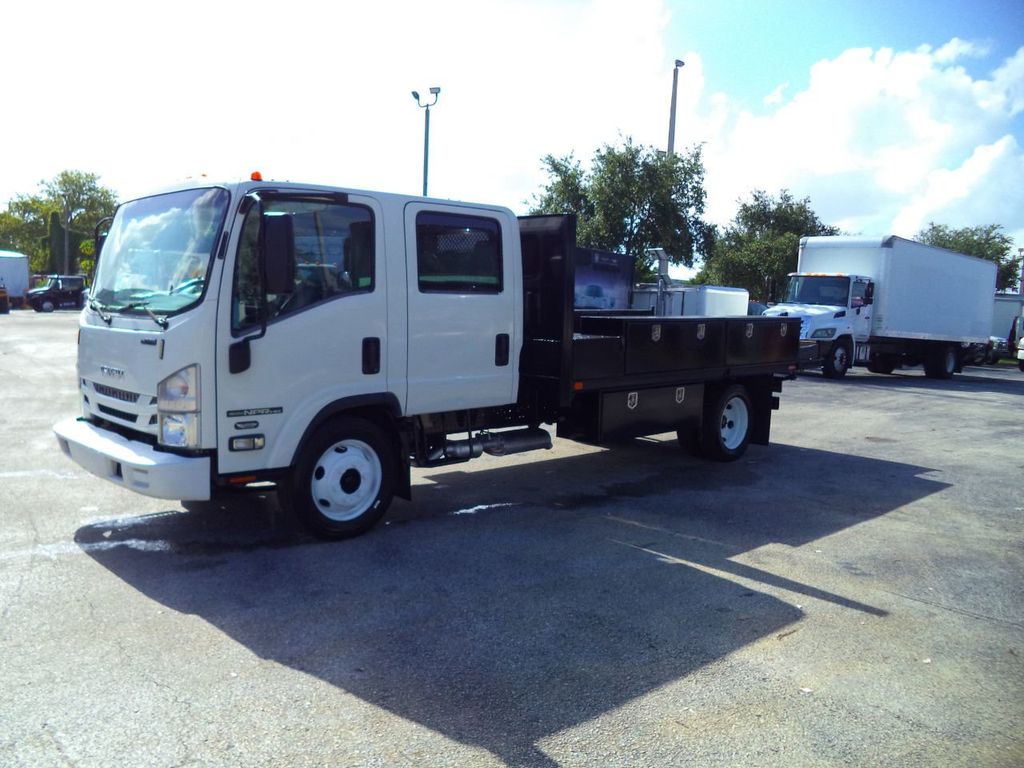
(134, 465)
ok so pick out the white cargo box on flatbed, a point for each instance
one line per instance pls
(921, 291)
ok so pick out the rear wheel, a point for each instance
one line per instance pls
(344, 479)
(941, 364)
(728, 419)
(837, 362)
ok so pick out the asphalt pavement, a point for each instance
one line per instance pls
(851, 595)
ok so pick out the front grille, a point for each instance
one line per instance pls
(118, 394)
(122, 415)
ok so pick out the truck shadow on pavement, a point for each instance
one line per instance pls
(511, 603)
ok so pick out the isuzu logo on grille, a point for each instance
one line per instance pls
(116, 373)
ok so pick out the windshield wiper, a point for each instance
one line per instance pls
(158, 319)
(98, 308)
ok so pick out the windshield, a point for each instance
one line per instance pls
(158, 252)
(818, 289)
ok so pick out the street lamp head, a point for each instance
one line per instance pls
(416, 95)
(679, 63)
(435, 90)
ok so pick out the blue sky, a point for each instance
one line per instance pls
(750, 47)
(887, 115)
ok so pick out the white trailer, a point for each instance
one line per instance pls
(1007, 306)
(14, 275)
(888, 302)
(692, 300)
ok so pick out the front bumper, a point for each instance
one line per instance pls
(134, 465)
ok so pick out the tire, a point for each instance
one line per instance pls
(47, 306)
(941, 364)
(837, 362)
(344, 479)
(1020, 364)
(728, 420)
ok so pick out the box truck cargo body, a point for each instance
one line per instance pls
(14, 275)
(888, 302)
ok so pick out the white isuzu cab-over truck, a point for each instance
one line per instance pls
(326, 340)
(887, 302)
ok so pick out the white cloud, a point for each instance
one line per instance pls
(881, 141)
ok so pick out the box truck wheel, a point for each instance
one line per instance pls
(344, 479)
(728, 417)
(837, 362)
(941, 363)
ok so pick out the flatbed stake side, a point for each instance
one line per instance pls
(327, 340)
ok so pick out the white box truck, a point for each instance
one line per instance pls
(887, 302)
(14, 276)
(326, 340)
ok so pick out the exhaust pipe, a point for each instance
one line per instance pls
(498, 443)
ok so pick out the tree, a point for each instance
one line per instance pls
(633, 198)
(985, 242)
(23, 228)
(78, 196)
(759, 248)
(75, 197)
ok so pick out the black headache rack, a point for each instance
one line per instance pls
(602, 375)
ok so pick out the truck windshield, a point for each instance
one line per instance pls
(157, 254)
(818, 289)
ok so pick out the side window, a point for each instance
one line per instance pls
(859, 292)
(334, 256)
(458, 254)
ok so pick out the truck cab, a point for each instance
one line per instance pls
(835, 314)
(57, 292)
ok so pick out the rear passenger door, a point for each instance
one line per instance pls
(462, 287)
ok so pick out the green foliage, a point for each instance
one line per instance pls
(759, 248)
(79, 202)
(633, 198)
(985, 242)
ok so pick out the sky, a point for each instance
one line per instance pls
(886, 115)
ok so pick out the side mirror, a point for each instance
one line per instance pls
(277, 250)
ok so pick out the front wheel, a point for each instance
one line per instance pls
(725, 430)
(837, 362)
(344, 479)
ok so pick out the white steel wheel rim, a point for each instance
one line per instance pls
(346, 480)
(839, 357)
(735, 420)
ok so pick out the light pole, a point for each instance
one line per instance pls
(426, 130)
(672, 113)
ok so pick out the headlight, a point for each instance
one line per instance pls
(177, 403)
(179, 430)
(824, 333)
(179, 392)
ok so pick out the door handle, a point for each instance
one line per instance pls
(371, 355)
(501, 349)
